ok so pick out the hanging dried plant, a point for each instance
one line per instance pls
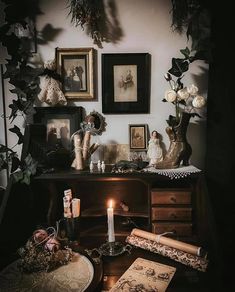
(193, 17)
(89, 13)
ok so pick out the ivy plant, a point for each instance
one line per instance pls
(24, 78)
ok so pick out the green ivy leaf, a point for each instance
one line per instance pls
(185, 52)
(20, 93)
(17, 176)
(4, 149)
(17, 131)
(15, 163)
(15, 106)
(179, 66)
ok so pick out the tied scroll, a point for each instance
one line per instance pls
(189, 259)
(160, 238)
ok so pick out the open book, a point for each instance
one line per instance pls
(145, 275)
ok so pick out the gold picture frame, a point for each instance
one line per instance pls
(77, 68)
(138, 136)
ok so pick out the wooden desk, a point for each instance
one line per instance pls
(156, 201)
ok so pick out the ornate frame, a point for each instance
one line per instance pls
(77, 68)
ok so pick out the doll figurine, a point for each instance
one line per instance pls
(154, 152)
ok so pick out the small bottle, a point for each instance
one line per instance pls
(102, 166)
(91, 166)
(99, 165)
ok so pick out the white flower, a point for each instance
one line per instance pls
(192, 89)
(170, 95)
(183, 94)
(198, 101)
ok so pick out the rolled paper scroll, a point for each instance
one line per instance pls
(78, 161)
(189, 248)
(86, 144)
(184, 258)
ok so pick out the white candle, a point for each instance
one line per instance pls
(111, 236)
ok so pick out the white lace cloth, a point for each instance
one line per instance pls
(175, 173)
(75, 276)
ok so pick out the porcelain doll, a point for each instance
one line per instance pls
(154, 152)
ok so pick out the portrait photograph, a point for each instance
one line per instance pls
(125, 83)
(77, 68)
(138, 137)
(58, 131)
(75, 74)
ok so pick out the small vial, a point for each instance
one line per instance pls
(99, 165)
(91, 166)
(102, 166)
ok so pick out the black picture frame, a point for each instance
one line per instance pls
(138, 137)
(65, 120)
(126, 83)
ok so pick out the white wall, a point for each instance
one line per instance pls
(146, 26)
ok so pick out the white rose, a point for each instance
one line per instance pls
(170, 95)
(183, 94)
(192, 89)
(198, 101)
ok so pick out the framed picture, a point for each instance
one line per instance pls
(125, 83)
(77, 68)
(138, 137)
(60, 122)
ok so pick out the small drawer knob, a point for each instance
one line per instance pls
(173, 215)
(173, 199)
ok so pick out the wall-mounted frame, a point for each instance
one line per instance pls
(138, 136)
(60, 122)
(125, 83)
(77, 68)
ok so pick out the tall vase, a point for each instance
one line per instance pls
(179, 150)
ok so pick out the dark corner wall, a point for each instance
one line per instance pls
(220, 139)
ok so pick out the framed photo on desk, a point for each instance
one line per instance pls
(60, 122)
(138, 137)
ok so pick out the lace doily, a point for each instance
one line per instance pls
(176, 173)
(75, 276)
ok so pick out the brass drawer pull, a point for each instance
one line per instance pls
(173, 199)
(173, 215)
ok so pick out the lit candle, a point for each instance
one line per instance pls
(111, 236)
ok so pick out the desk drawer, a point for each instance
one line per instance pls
(171, 196)
(172, 214)
(179, 229)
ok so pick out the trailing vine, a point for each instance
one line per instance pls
(24, 78)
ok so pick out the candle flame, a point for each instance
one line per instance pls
(110, 203)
